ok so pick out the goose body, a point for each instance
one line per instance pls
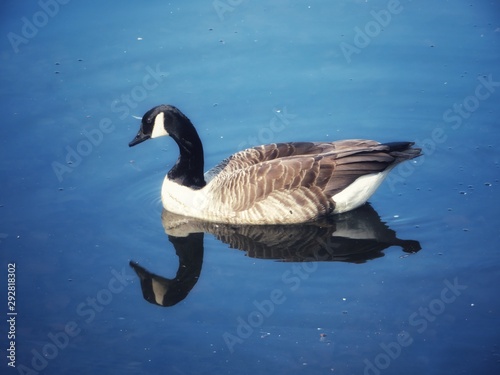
(279, 183)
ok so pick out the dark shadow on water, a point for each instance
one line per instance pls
(354, 237)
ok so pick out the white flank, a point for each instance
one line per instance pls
(358, 192)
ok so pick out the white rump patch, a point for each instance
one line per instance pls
(357, 193)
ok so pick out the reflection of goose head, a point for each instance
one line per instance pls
(154, 288)
(356, 237)
(168, 292)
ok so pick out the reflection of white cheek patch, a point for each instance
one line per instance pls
(159, 126)
(159, 291)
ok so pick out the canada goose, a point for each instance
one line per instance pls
(279, 183)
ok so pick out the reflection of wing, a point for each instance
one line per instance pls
(355, 236)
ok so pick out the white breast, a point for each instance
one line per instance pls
(179, 199)
(185, 201)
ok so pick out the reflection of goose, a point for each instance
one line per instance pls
(355, 236)
(280, 183)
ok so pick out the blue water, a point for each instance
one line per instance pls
(77, 204)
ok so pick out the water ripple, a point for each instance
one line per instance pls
(143, 196)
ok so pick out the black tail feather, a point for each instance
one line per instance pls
(398, 146)
(403, 150)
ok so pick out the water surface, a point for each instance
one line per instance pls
(77, 205)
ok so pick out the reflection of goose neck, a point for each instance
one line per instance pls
(190, 252)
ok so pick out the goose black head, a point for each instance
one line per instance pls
(168, 120)
(159, 121)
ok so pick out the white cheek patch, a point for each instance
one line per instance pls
(159, 126)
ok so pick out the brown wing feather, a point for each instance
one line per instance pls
(260, 154)
(306, 171)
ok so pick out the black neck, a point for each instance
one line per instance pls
(188, 170)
